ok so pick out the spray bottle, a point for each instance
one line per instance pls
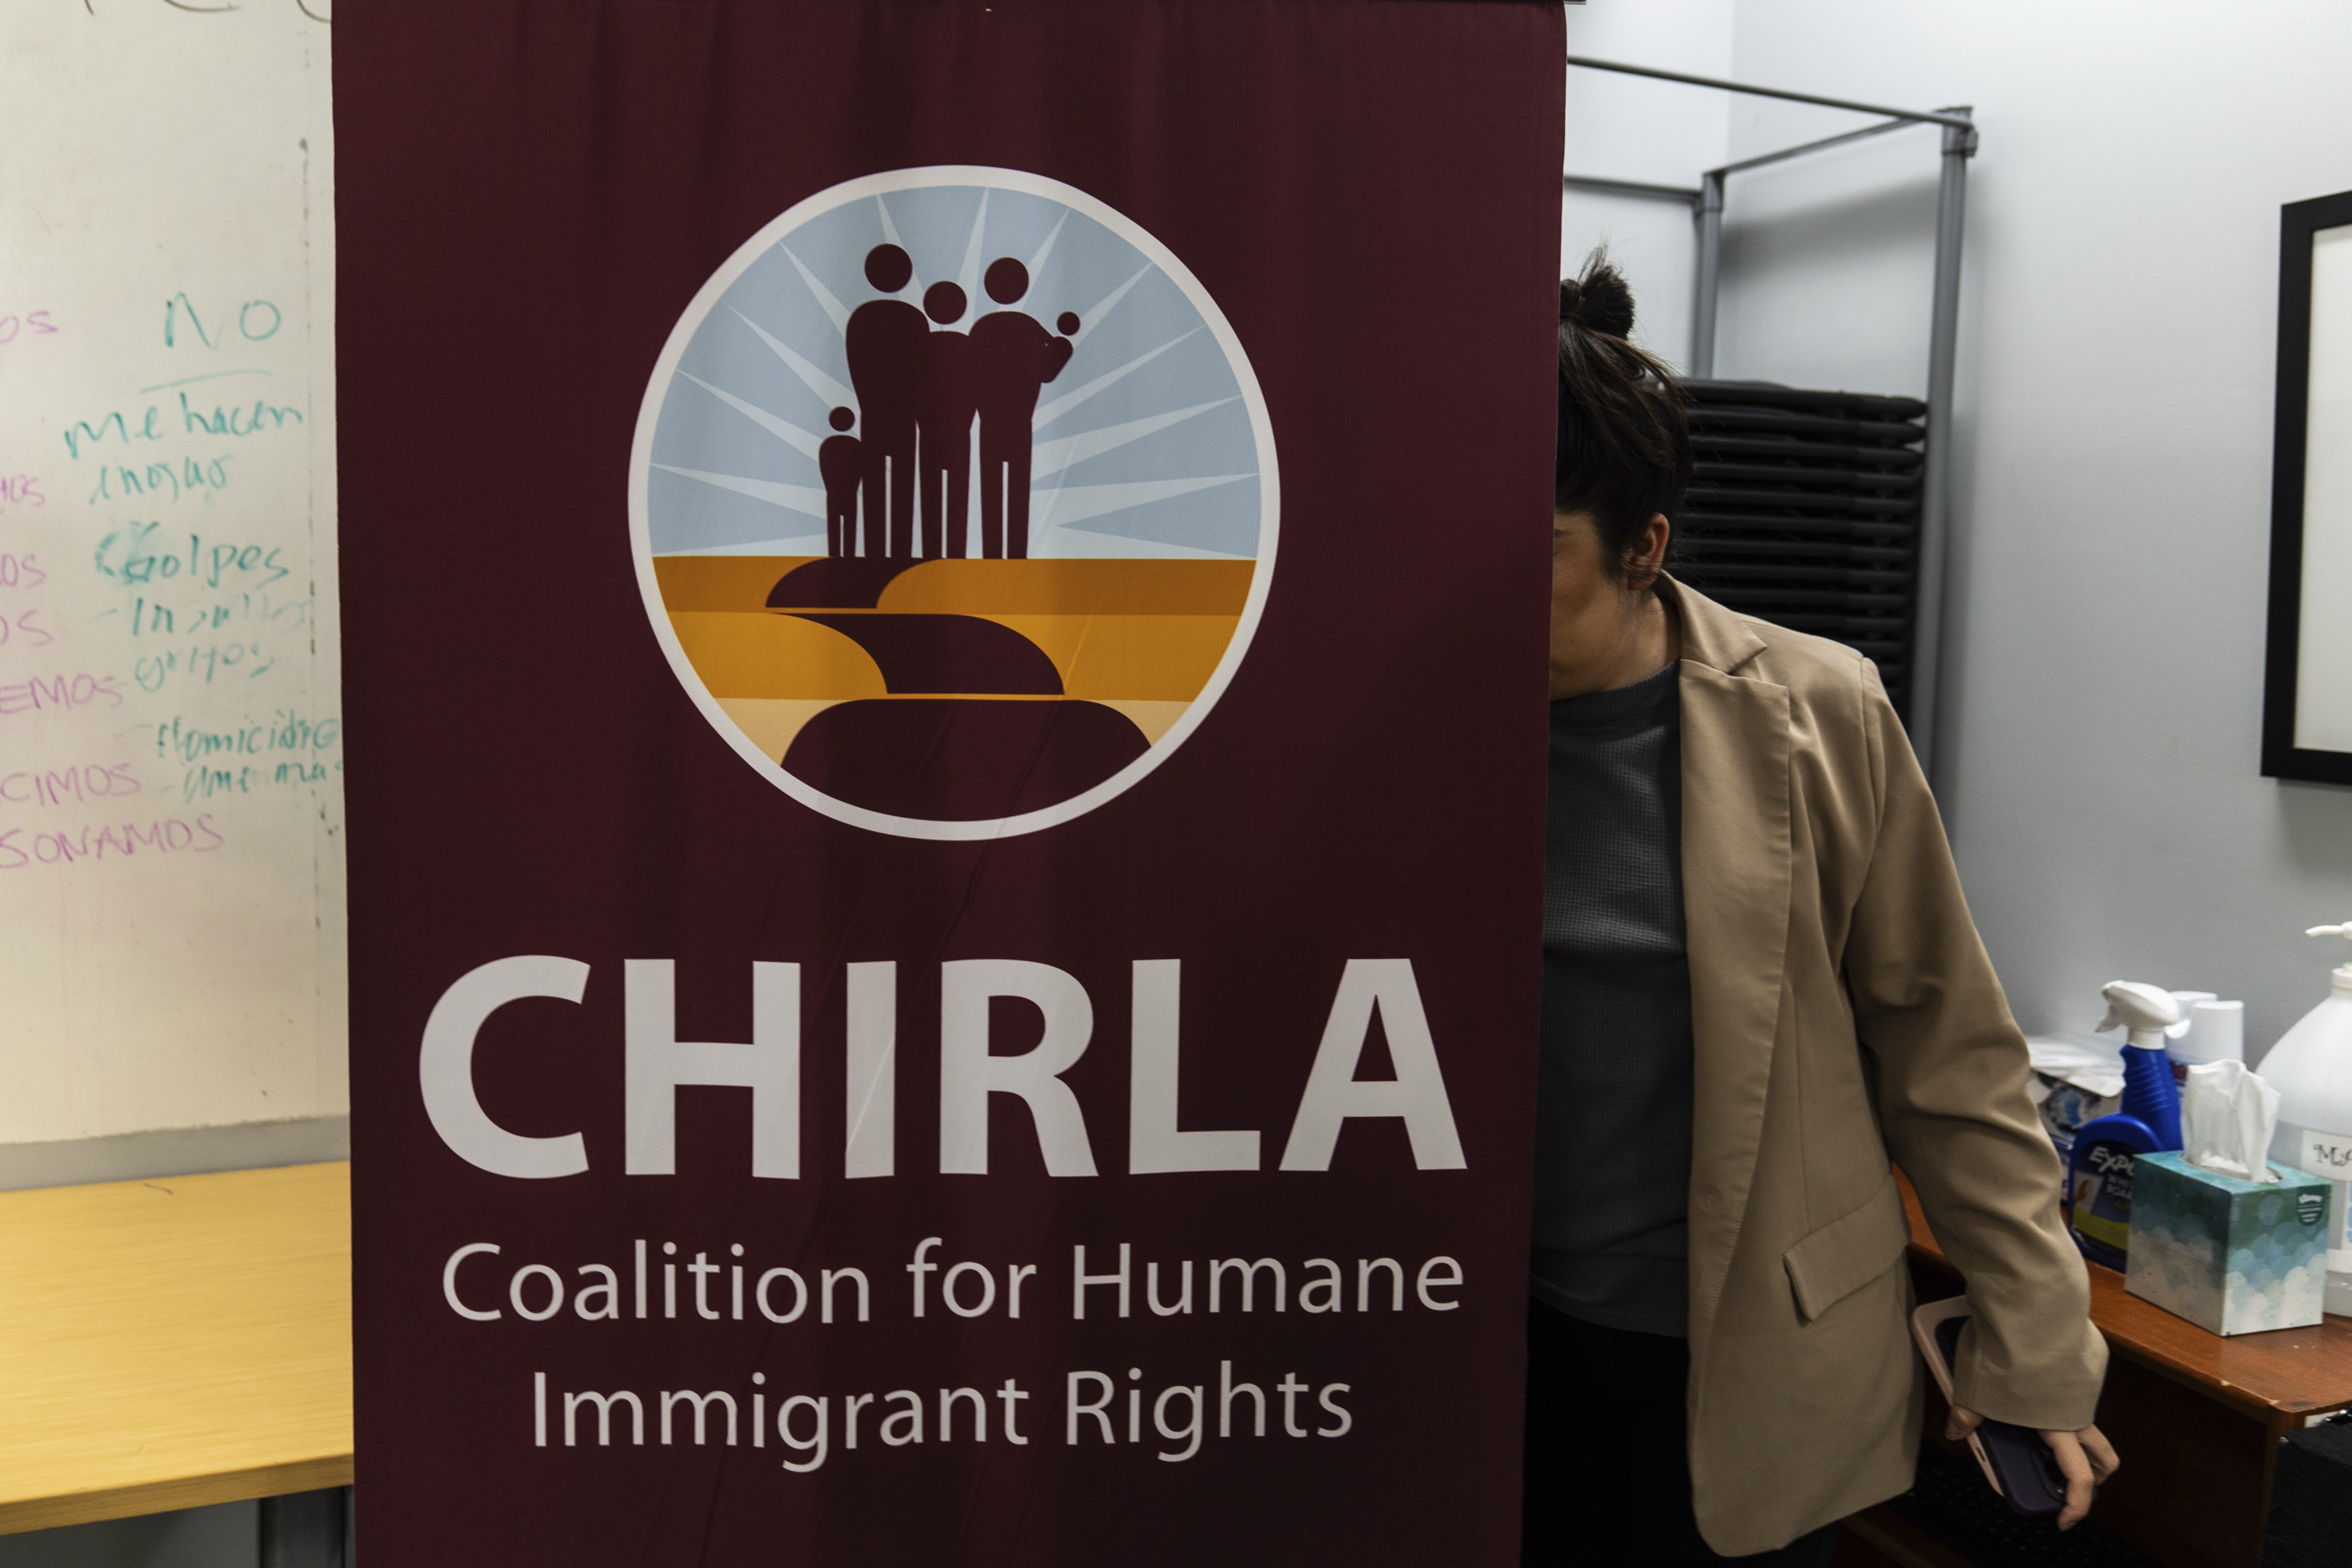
(2099, 1178)
(2311, 1068)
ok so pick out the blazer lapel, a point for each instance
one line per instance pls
(1735, 892)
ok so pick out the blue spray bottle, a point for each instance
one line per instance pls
(2099, 1181)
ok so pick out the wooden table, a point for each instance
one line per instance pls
(171, 1343)
(2196, 1417)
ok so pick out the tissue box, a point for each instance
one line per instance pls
(2232, 1257)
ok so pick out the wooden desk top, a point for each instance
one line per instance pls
(171, 1343)
(2277, 1377)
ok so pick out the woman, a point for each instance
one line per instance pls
(1761, 988)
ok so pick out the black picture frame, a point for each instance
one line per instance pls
(2281, 676)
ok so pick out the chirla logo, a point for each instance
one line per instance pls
(954, 502)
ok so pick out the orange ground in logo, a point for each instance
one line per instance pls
(1140, 636)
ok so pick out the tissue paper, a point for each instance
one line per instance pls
(2227, 1114)
(2094, 1066)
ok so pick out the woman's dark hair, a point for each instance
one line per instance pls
(1625, 449)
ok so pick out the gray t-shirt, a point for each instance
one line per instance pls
(1613, 1096)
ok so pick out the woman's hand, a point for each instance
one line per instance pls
(2085, 1457)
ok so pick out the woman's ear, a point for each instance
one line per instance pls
(1654, 537)
(1647, 559)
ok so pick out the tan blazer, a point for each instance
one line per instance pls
(1843, 1014)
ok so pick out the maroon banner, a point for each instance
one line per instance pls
(945, 671)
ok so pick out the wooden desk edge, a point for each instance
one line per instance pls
(179, 1492)
(237, 1482)
(2279, 1418)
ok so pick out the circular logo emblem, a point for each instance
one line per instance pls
(953, 500)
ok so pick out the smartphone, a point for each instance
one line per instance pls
(2014, 1459)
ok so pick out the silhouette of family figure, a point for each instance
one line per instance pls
(920, 391)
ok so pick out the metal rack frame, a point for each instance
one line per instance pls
(1706, 202)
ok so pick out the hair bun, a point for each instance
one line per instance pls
(1599, 300)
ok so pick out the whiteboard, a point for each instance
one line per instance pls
(170, 800)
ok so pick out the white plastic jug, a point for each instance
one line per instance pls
(2311, 1068)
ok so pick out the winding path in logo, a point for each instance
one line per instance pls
(922, 654)
(962, 759)
(835, 582)
(956, 690)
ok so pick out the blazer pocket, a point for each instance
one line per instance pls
(1848, 1253)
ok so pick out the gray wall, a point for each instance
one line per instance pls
(306, 1530)
(2098, 751)
(1652, 133)
(225, 1536)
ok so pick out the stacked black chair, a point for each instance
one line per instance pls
(1805, 512)
(2311, 1498)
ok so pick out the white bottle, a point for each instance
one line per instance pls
(2180, 1040)
(2211, 1030)
(2311, 1068)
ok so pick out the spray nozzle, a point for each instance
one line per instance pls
(2144, 1011)
(2343, 975)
